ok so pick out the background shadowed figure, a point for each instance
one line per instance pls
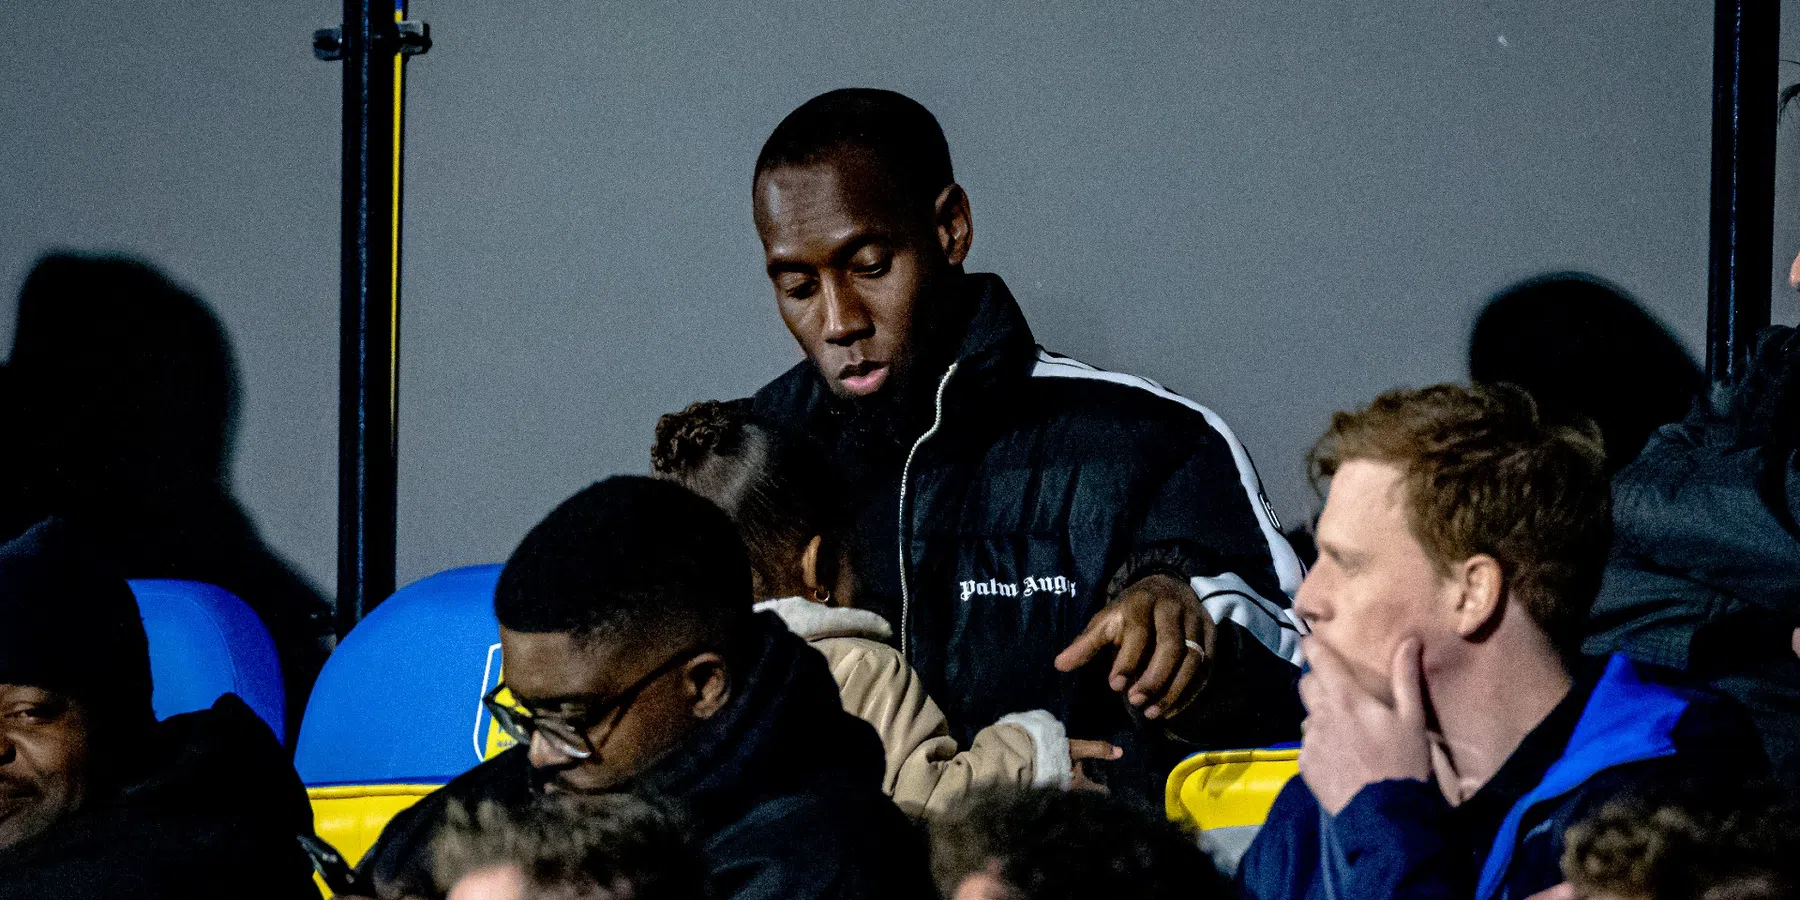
(1582, 347)
(119, 405)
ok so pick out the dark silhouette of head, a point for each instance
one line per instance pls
(119, 406)
(125, 377)
(1583, 348)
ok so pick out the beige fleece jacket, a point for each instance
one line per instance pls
(926, 771)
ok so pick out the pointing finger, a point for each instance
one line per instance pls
(1085, 647)
(1325, 663)
(1310, 692)
(1079, 749)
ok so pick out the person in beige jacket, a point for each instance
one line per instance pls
(773, 492)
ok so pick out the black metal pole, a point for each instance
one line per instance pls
(373, 44)
(1745, 53)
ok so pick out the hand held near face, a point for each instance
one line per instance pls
(1353, 738)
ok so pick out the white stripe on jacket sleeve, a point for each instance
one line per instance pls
(1226, 597)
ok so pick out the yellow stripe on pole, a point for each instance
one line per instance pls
(394, 254)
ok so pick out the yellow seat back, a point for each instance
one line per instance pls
(350, 817)
(1225, 795)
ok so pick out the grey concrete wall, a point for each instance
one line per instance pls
(1275, 208)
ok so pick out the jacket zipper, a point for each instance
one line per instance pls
(937, 419)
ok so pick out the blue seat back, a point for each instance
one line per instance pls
(399, 702)
(204, 643)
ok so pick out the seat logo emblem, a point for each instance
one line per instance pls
(489, 739)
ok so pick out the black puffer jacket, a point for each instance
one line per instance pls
(783, 789)
(216, 813)
(1033, 491)
(1705, 568)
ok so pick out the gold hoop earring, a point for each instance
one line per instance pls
(822, 595)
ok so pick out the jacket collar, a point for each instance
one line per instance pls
(1627, 719)
(817, 622)
(997, 350)
(997, 345)
(766, 741)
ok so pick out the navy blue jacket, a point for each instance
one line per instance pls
(1402, 839)
(782, 788)
(1004, 516)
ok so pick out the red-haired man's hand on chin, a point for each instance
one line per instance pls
(1353, 738)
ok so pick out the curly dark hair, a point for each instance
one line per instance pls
(776, 488)
(1689, 842)
(1485, 473)
(1047, 844)
(607, 845)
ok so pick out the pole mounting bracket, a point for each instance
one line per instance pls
(407, 38)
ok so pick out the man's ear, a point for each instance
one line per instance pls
(709, 682)
(1480, 592)
(955, 227)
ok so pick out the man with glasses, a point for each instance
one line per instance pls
(633, 662)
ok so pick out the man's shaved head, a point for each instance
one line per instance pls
(891, 130)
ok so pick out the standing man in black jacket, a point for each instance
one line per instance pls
(1018, 513)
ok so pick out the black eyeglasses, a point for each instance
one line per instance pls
(569, 734)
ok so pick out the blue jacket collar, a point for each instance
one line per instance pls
(1626, 720)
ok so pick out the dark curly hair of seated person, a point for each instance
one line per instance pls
(1688, 842)
(777, 488)
(1048, 844)
(606, 846)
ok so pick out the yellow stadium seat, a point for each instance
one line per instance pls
(397, 711)
(350, 817)
(1225, 795)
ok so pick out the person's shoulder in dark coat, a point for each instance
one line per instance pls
(832, 842)
(217, 816)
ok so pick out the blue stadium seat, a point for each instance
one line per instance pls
(204, 643)
(397, 710)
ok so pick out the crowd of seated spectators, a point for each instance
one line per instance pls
(936, 612)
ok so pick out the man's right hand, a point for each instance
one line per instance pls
(1162, 639)
(1351, 738)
